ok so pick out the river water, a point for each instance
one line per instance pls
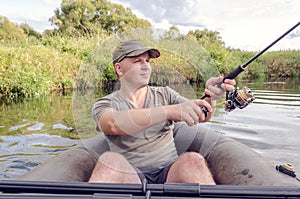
(33, 131)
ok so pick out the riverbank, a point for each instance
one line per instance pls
(36, 67)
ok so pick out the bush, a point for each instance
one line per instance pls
(32, 71)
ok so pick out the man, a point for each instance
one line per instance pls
(138, 121)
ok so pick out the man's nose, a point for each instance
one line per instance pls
(145, 66)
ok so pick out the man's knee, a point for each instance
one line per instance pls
(114, 161)
(113, 167)
(190, 167)
(109, 157)
(191, 159)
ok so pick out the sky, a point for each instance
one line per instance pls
(243, 24)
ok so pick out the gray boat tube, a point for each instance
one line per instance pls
(231, 162)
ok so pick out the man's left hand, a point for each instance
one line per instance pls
(216, 92)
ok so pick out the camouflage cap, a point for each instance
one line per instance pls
(132, 48)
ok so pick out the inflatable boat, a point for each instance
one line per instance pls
(231, 162)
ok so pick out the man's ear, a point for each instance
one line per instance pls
(118, 69)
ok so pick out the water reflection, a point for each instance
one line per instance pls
(33, 131)
(21, 153)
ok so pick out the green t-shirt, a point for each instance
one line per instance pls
(152, 148)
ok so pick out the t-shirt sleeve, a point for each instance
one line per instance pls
(100, 106)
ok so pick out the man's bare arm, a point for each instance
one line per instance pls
(136, 120)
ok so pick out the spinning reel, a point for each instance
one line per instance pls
(238, 99)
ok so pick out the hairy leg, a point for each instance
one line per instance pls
(190, 167)
(114, 168)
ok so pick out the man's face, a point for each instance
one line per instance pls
(136, 70)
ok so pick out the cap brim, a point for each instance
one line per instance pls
(153, 53)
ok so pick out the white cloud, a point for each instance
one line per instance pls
(247, 24)
(35, 13)
(294, 34)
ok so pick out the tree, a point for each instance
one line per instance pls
(84, 17)
(212, 42)
(10, 31)
(207, 38)
(30, 32)
(172, 33)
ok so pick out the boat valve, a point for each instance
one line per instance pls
(287, 169)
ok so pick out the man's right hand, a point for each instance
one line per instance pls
(189, 111)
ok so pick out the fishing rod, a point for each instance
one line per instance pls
(242, 98)
(164, 191)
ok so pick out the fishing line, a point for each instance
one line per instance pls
(242, 98)
(220, 104)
